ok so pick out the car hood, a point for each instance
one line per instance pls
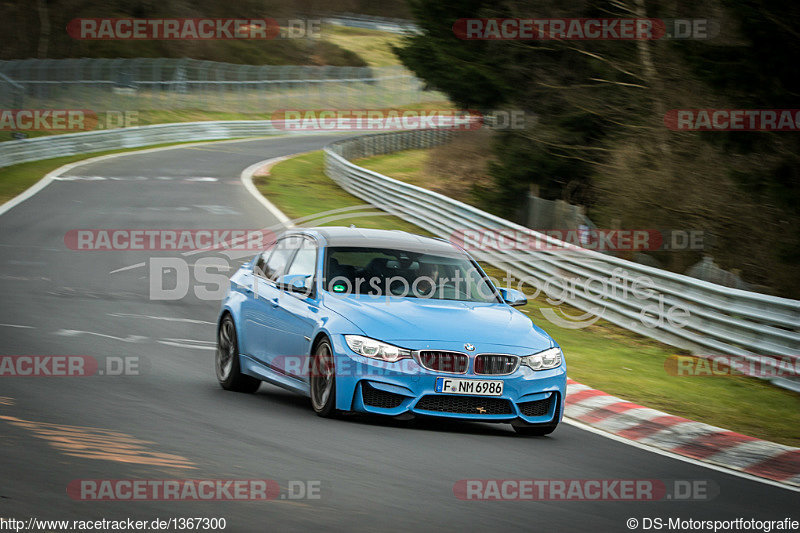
(413, 319)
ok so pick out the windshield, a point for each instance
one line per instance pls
(405, 274)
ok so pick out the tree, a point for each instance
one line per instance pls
(600, 138)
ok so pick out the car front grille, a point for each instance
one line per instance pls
(473, 405)
(535, 408)
(451, 362)
(496, 364)
(379, 398)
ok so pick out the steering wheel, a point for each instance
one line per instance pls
(456, 290)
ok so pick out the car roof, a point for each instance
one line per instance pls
(379, 238)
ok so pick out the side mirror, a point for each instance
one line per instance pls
(513, 297)
(294, 283)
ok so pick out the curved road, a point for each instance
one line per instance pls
(173, 420)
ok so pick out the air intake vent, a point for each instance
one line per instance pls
(472, 405)
(378, 398)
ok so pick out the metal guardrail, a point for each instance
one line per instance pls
(25, 150)
(391, 25)
(22, 151)
(720, 320)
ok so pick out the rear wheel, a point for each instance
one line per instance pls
(534, 431)
(322, 383)
(229, 373)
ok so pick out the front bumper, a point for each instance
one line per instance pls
(397, 389)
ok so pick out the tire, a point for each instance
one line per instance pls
(534, 431)
(322, 382)
(226, 360)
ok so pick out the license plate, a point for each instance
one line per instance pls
(474, 387)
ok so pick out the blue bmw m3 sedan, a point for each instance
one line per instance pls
(389, 323)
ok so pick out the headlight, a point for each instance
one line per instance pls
(376, 349)
(550, 358)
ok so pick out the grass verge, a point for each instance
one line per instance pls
(372, 46)
(299, 187)
(603, 356)
(405, 166)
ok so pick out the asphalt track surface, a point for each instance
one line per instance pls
(173, 421)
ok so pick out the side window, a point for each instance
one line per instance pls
(281, 254)
(261, 263)
(305, 262)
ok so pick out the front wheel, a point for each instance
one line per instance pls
(322, 383)
(226, 362)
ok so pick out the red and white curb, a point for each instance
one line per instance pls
(682, 436)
